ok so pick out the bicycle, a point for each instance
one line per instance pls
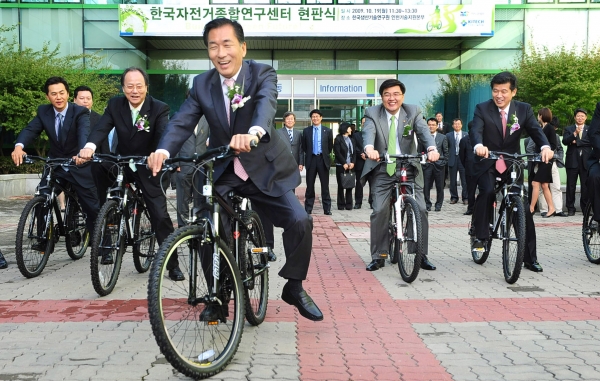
(406, 245)
(590, 235)
(508, 219)
(198, 324)
(42, 222)
(122, 221)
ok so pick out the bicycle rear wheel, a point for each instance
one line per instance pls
(393, 232)
(108, 246)
(35, 237)
(254, 268)
(77, 236)
(144, 247)
(195, 346)
(411, 252)
(590, 236)
(513, 243)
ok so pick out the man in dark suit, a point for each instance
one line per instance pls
(406, 123)
(455, 166)
(593, 180)
(465, 153)
(317, 144)
(67, 126)
(443, 127)
(434, 172)
(359, 165)
(293, 138)
(497, 126)
(578, 145)
(139, 121)
(266, 174)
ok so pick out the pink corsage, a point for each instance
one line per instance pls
(514, 124)
(142, 124)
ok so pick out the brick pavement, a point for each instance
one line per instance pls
(460, 322)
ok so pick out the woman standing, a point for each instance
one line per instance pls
(345, 157)
(543, 175)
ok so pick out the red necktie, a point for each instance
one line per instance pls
(500, 164)
(238, 169)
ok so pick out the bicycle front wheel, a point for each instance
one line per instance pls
(513, 242)
(589, 233)
(195, 345)
(144, 247)
(77, 236)
(411, 251)
(254, 268)
(34, 241)
(108, 245)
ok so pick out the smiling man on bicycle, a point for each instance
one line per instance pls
(497, 126)
(67, 126)
(405, 123)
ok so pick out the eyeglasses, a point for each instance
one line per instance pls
(390, 95)
(136, 87)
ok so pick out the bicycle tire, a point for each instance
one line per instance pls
(77, 237)
(31, 262)
(393, 232)
(256, 286)
(590, 236)
(107, 236)
(411, 253)
(144, 248)
(175, 321)
(513, 243)
(478, 257)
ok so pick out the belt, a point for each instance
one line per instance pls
(316, 154)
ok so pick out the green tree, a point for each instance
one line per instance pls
(24, 72)
(561, 80)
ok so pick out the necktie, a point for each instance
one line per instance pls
(391, 168)
(291, 135)
(238, 168)
(58, 125)
(500, 164)
(580, 133)
(457, 139)
(112, 141)
(316, 141)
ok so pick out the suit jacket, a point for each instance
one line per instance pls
(452, 155)
(326, 145)
(466, 155)
(594, 137)
(270, 165)
(74, 133)
(487, 130)
(340, 150)
(582, 147)
(131, 141)
(295, 145)
(360, 148)
(376, 133)
(441, 143)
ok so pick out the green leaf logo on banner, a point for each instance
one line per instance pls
(132, 20)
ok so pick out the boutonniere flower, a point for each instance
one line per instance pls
(407, 130)
(236, 96)
(514, 124)
(141, 123)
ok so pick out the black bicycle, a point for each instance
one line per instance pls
(122, 221)
(198, 324)
(42, 222)
(405, 225)
(591, 235)
(508, 218)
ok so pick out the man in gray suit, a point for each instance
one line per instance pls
(434, 172)
(293, 138)
(408, 126)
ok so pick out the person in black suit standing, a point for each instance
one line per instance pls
(578, 145)
(434, 172)
(139, 121)
(345, 157)
(593, 180)
(443, 127)
(455, 166)
(67, 126)
(294, 138)
(359, 165)
(317, 144)
(266, 174)
(466, 155)
(497, 126)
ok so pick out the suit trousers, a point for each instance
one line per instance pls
(382, 191)
(317, 166)
(471, 189)
(457, 168)
(267, 226)
(358, 192)
(593, 185)
(554, 190)
(433, 173)
(284, 211)
(572, 174)
(344, 196)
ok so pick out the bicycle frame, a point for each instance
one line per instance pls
(403, 188)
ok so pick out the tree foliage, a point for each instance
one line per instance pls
(24, 72)
(562, 80)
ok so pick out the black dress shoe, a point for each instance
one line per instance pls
(376, 264)
(535, 267)
(357, 206)
(370, 205)
(328, 213)
(549, 215)
(438, 209)
(340, 208)
(107, 258)
(39, 245)
(560, 214)
(468, 212)
(271, 255)
(176, 275)
(303, 302)
(3, 263)
(571, 212)
(429, 208)
(214, 312)
(309, 211)
(426, 265)
(453, 201)
(543, 214)
(465, 202)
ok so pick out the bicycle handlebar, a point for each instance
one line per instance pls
(118, 159)
(60, 161)
(495, 155)
(213, 153)
(387, 157)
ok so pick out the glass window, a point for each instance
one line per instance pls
(257, 1)
(35, 1)
(56, 26)
(170, 88)
(225, 2)
(303, 60)
(319, 1)
(546, 28)
(354, 1)
(261, 56)
(366, 60)
(507, 35)
(290, 1)
(120, 59)
(428, 59)
(66, 1)
(384, 2)
(105, 34)
(476, 59)
(594, 28)
(10, 17)
(539, 1)
(100, 14)
(178, 59)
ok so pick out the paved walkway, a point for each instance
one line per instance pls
(460, 322)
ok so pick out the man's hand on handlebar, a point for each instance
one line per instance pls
(482, 151)
(241, 142)
(547, 154)
(84, 155)
(155, 162)
(433, 156)
(17, 155)
(372, 153)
